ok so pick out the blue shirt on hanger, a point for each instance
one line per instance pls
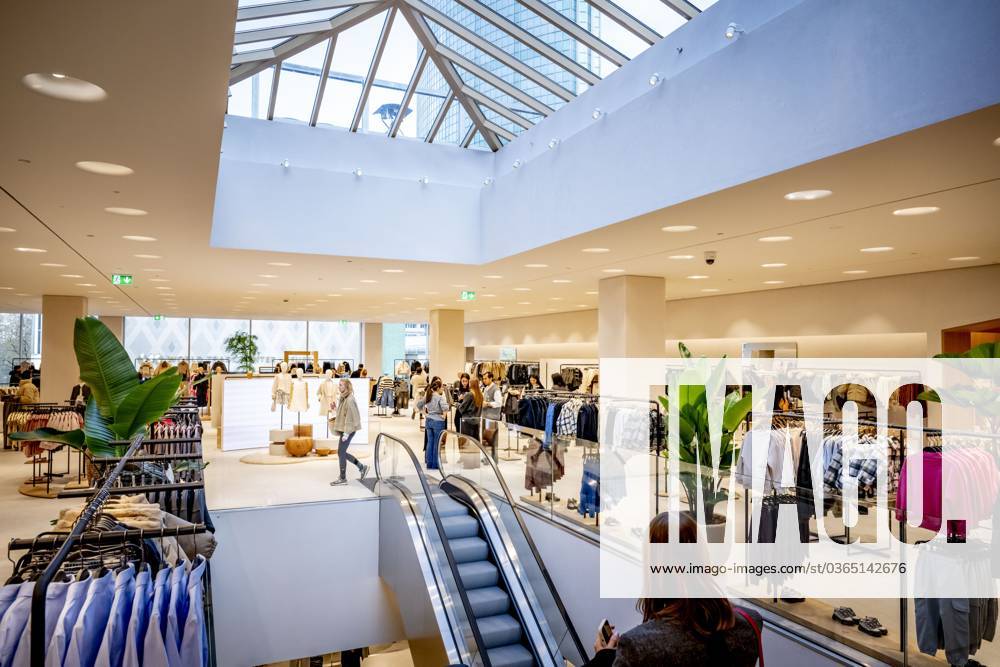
(88, 631)
(138, 622)
(55, 599)
(154, 651)
(194, 644)
(7, 595)
(14, 621)
(113, 643)
(75, 598)
(177, 612)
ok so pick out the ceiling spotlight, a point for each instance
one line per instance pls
(774, 282)
(278, 264)
(734, 30)
(141, 239)
(7, 230)
(561, 281)
(125, 210)
(679, 228)
(488, 181)
(517, 164)
(808, 195)
(916, 210)
(655, 78)
(597, 114)
(965, 258)
(697, 277)
(681, 257)
(357, 172)
(881, 248)
(855, 272)
(773, 265)
(64, 87)
(30, 250)
(774, 239)
(285, 163)
(423, 180)
(58, 76)
(596, 251)
(553, 143)
(536, 266)
(104, 168)
(613, 270)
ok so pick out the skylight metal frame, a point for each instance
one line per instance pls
(424, 20)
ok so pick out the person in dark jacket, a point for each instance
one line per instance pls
(683, 632)
(80, 393)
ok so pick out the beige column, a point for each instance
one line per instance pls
(371, 348)
(446, 343)
(117, 325)
(631, 317)
(59, 368)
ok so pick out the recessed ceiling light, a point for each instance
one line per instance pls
(7, 230)
(879, 248)
(22, 294)
(562, 281)
(259, 285)
(613, 270)
(253, 291)
(596, 251)
(94, 291)
(774, 239)
(321, 301)
(30, 250)
(348, 289)
(679, 228)
(86, 285)
(808, 195)
(710, 289)
(141, 239)
(916, 210)
(497, 307)
(967, 258)
(556, 298)
(64, 87)
(855, 272)
(125, 210)
(266, 275)
(409, 298)
(493, 277)
(536, 266)
(392, 270)
(488, 296)
(70, 275)
(774, 282)
(591, 293)
(53, 265)
(368, 281)
(582, 305)
(996, 142)
(7, 288)
(697, 277)
(159, 280)
(522, 289)
(148, 257)
(439, 305)
(104, 168)
(773, 265)
(335, 295)
(278, 264)
(459, 285)
(681, 257)
(524, 303)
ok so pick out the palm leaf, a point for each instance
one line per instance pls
(104, 364)
(146, 403)
(97, 431)
(74, 438)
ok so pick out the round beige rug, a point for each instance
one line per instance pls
(266, 459)
(38, 490)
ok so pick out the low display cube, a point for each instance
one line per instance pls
(280, 434)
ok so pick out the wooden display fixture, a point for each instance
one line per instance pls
(961, 338)
(304, 353)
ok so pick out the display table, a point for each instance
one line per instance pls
(247, 419)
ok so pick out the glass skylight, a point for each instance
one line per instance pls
(473, 73)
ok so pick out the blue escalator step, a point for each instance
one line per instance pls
(488, 601)
(499, 630)
(460, 526)
(446, 506)
(513, 655)
(469, 549)
(479, 574)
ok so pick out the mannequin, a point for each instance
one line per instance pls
(327, 393)
(298, 397)
(282, 387)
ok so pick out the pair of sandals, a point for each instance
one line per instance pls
(572, 504)
(869, 625)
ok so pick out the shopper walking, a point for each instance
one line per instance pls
(435, 407)
(492, 404)
(346, 422)
(418, 384)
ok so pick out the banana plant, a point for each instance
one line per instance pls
(120, 407)
(981, 395)
(696, 447)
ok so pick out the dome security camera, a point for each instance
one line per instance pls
(710, 256)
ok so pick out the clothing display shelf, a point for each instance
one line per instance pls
(580, 377)
(32, 416)
(49, 553)
(173, 361)
(403, 368)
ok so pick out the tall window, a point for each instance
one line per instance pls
(208, 338)
(150, 338)
(336, 340)
(20, 338)
(276, 336)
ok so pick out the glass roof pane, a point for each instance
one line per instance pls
(399, 60)
(500, 121)
(254, 46)
(288, 19)
(618, 37)
(250, 96)
(298, 82)
(499, 97)
(656, 15)
(432, 91)
(351, 60)
(455, 126)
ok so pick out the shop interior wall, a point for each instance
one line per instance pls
(898, 316)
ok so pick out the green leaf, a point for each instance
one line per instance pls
(685, 352)
(74, 438)
(97, 431)
(104, 364)
(146, 403)
(736, 412)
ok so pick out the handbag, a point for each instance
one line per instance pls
(756, 631)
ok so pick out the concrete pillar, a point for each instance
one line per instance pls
(371, 347)
(59, 368)
(117, 325)
(631, 317)
(446, 343)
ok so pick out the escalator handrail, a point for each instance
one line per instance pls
(527, 535)
(452, 563)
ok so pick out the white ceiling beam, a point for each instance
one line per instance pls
(439, 118)
(253, 56)
(324, 76)
(274, 9)
(528, 39)
(487, 101)
(490, 49)
(426, 36)
(494, 80)
(366, 88)
(411, 88)
(273, 99)
(496, 129)
(626, 20)
(278, 32)
(470, 134)
(576, 31)
(682, 7)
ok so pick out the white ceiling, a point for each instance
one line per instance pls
(163, 117)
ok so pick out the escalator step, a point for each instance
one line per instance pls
(514, 655)
(447, 506)
(488, 601)
(469, 549)
(479, 574)
(499, 630)
(460, 526)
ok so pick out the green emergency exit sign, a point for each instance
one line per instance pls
(121, 279)
(157, 317)
(468, 296)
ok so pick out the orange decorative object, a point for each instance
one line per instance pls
(298, 446)
(303, 430)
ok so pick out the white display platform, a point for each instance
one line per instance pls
(247, 418)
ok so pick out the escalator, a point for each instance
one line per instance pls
(480, 594)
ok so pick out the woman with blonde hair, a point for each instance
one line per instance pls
(346, 422)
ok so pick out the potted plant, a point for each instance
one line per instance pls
(981, 393)
(243, 347)
(119, 407)
(696, 447)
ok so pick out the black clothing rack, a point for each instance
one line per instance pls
(409, 364)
